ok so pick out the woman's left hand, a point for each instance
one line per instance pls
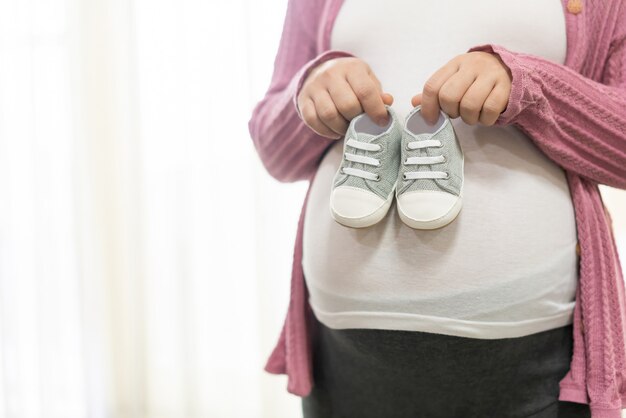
(475, 85)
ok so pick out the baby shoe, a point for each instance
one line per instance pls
(430, 179)
(363, 187)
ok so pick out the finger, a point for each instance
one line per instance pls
(453, 90)
(311, 119)
(495, 104)
(474, 98)
(416, 100)
(387, 99)
(369, 96)
(430, 92)
(328, 113)
(376, 80)
(345, 100)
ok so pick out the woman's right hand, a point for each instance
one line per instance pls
(336, 91)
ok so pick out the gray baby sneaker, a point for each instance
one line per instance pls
(363, 187)
(430, 179)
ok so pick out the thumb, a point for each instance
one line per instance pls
(416, 100)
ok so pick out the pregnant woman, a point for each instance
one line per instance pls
(495, 315)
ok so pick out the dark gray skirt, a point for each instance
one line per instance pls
(373, 373)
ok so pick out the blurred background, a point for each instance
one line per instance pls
(145, 254)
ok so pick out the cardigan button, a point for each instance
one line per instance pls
(578, 249)
(575, 6)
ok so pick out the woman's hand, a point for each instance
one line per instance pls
(475, 85)
(336, 91)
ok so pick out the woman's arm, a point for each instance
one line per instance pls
(577, 122)
(289, 149)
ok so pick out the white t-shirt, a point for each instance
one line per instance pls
(507, 266)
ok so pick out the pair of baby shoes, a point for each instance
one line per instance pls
(421, 163)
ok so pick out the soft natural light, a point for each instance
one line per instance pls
(145, 253)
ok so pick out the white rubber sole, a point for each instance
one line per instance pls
(365, 221)
(435, 223)
(442, 220)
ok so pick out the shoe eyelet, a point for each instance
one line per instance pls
(440, 145)
(447, 175)
(377, 177)
(444, 159)
(404, 176)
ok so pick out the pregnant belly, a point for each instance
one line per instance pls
(510, 251)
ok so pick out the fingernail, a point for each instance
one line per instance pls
(383, 121)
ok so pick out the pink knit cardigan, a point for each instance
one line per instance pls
(575, 113)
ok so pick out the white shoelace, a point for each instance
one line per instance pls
(409, 175)
(362, 159)
(412, 175)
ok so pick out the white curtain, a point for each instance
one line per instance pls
(144, 270)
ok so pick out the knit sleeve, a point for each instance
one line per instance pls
(288, 148)
(577, 122)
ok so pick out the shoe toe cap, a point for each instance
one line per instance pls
(426, 205)
(354, 203)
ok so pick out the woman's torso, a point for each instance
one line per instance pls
(507, 265)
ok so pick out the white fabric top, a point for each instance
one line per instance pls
(507, 266)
